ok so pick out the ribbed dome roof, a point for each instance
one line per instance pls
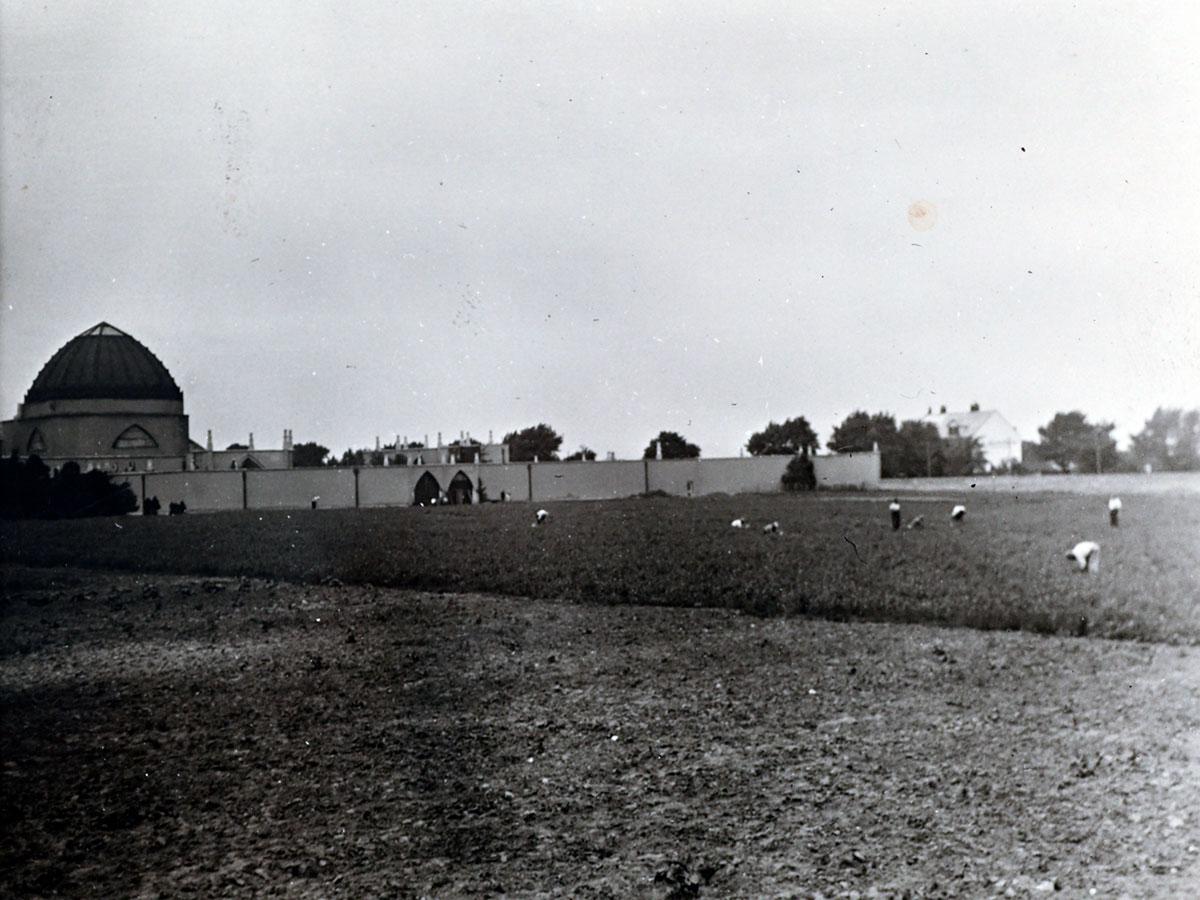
(103, 363)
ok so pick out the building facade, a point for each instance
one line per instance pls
(1000, 441)
(106, 402)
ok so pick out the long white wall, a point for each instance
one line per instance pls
(394, 485)
(1182, 483)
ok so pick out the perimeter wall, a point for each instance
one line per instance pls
(374, 486)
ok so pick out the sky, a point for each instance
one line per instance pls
(373, 218)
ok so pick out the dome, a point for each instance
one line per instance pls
(103, 363)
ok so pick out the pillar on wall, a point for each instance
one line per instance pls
(251, 440)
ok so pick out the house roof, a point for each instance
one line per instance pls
(103, 363)
(967, 423)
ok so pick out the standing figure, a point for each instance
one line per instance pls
(894, 509)
(1114, 511)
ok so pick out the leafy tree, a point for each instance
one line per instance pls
(800, 474)
(790, 437)
(581, 454)
(353, 458)
(538, 440)
(860, 431)
(1073, 442)
(1169, 441)
(919, 450)
(309, 454)
(674, 446)
(962, 456)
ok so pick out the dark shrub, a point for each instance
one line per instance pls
(800, 475)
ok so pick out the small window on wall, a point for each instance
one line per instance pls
(36, 443)
(134, 438)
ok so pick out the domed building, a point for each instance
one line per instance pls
(105, 401)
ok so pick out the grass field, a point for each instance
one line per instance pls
(1004, 568)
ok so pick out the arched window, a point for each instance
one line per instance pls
(135, 437)
(37, 443)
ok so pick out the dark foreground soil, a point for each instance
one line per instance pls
(173, 736)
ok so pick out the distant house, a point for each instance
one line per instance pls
(999, 439)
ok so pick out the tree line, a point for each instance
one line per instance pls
(29, 490)
(1069, 442)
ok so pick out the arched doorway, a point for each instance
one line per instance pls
(461, 488)
(427, 490)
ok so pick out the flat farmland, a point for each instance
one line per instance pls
(173, 736)
(633, 700)
(837, 558)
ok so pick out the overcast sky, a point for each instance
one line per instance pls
(360, 219)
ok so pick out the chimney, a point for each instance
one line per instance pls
(210, 440)
(439, 439)
(490, 441)
(376, 443)
(252, 440)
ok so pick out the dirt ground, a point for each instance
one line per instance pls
(171, 736)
